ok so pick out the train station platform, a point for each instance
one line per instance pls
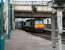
(22, 40)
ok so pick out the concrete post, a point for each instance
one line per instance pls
(53, 34)
(59, 24)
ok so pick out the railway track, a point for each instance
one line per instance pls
(46, 35)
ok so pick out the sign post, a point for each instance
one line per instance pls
(9, 18)
(2, 38)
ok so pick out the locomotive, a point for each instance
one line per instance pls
(34, 25)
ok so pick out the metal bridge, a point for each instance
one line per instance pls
(40, 3)
(26, 5)
(23, 8)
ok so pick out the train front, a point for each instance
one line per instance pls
(39, 24)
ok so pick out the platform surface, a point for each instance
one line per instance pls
(22, 40)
